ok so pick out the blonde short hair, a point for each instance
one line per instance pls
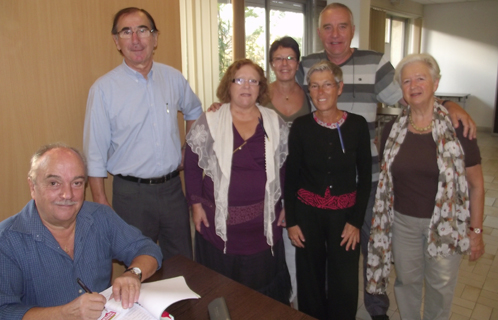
(325, 65)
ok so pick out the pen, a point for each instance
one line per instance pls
(83, 285)
(340, 138)
(80, 282)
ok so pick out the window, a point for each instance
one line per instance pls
(286, 18)
(396, 38)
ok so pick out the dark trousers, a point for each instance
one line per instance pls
(265, 271)
(327, 274)
(376, 304)
(160, 211)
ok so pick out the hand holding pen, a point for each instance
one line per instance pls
(86, 306)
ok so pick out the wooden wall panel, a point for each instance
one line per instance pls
(51, 53)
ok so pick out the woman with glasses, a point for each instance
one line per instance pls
(327, 185)
(287, 97)
(234, 167)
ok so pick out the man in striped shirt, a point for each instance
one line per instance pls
(368, 80)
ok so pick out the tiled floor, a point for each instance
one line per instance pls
(476, 294)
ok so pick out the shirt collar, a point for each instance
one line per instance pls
(30, 222)
(137, 74)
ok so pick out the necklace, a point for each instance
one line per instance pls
(287, 95)
(239, 147)
(333, 125)
(417, 128)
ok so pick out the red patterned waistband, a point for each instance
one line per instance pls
(328, 201)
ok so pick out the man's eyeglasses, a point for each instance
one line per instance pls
(279, 60)
(142, 32)
(241, 81)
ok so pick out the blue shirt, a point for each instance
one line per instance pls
(36, 272)
(131, 125)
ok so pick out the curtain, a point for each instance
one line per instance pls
(377, 30)
(199, 39)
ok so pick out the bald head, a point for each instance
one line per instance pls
(38, 158)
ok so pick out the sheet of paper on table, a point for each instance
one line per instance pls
(154, 298)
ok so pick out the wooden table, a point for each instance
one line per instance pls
(242, 302)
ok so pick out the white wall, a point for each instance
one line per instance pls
(404, 8)
(463, 37)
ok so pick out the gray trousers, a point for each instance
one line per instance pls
(160, 211)
(414, 266)
(290, 259)
(376, 304)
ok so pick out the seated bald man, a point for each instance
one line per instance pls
(58, 237)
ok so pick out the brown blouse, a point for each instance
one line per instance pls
(415, 171)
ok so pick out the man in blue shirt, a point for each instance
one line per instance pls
(58, 237)
(131, 131)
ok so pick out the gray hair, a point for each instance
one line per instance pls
(35, 159)
(335, 5)
(418, 57)
(325, 65)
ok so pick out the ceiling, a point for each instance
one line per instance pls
(445, 1)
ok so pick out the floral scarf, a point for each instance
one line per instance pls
(448, 232)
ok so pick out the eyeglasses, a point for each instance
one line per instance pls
(279, 60)
(325, 87)
(142, 32)
(241, 81)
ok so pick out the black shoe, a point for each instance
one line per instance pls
(381, 317)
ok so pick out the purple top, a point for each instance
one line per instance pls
(245, 225)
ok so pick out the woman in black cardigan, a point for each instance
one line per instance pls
(327, 185)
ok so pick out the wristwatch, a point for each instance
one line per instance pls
(476, 230)
(136, 271)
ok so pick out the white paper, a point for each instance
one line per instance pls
(154, 298)
(158, 295)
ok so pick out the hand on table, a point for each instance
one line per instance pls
(126, 288)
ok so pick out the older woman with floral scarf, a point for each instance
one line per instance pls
(430, 199)
(234, 167)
